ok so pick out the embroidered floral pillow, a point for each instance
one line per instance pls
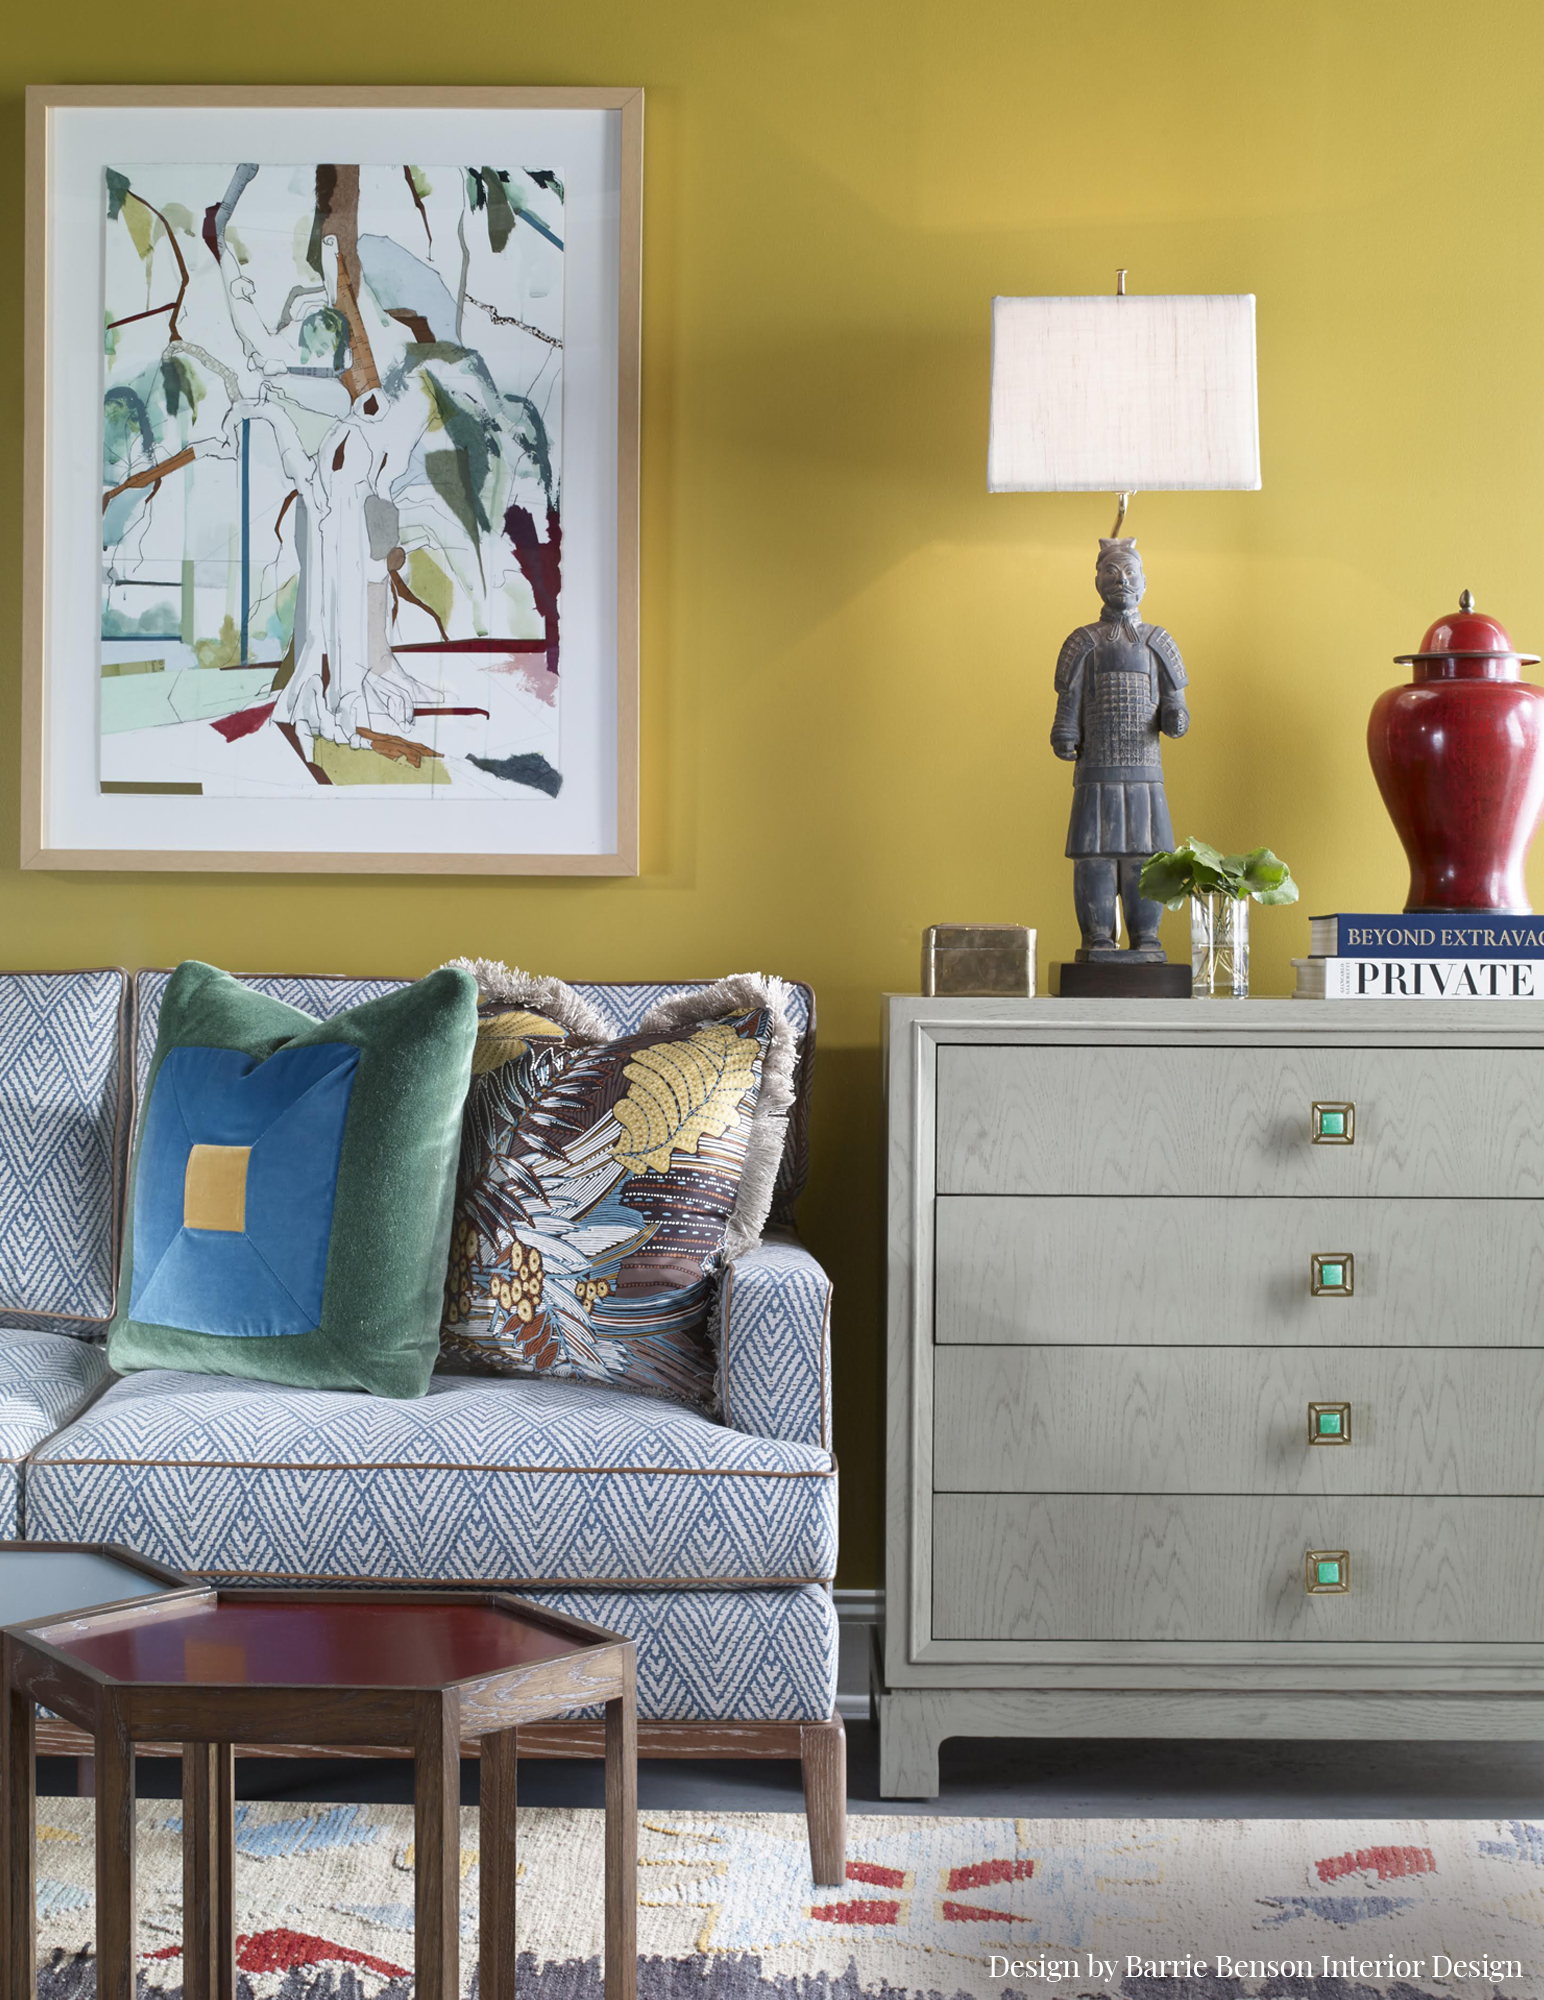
(602, 1180)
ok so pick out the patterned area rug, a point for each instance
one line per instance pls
(1058, 1909)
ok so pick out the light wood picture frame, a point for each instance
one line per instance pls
(385, 616)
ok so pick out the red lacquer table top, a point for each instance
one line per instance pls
(325, 1642)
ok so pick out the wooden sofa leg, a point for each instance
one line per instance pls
(823, 1756)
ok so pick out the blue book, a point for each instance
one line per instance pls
(1430, 934)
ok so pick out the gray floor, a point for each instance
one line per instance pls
(1039, 1779)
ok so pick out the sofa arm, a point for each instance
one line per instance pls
(775, 1349)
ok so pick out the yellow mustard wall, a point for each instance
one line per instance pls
(848, 645)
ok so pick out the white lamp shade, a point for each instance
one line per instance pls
(1116, 395)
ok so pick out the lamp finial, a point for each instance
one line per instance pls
(1466, 600)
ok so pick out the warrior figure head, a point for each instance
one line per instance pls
(1118, 574)
(1120, 583)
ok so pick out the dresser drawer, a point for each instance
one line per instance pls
(1235, 1420)
(1096, 1268)
(1137, 1566)
(1161, 1120)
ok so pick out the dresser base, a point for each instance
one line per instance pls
(913, 1722)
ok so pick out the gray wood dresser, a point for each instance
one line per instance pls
(1216, 1372)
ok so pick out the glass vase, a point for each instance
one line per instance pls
(1219, 947)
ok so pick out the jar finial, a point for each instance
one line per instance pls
(1466, 600)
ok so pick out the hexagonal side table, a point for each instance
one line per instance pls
(46, 1580)
(424, 1670)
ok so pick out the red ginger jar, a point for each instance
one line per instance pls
(1459, 759)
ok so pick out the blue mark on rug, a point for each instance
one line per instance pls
(1526, 1844)
(390, 1916)
(315, 1833)
(1340, 1910)
(399, 1916)
(53, 1896)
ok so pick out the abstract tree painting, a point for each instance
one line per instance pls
(332, 481)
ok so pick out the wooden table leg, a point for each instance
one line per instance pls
(115, 1921)
(18, 1889)
(622, 1845)
(437, 1844)
(497, 1865)
(208, 1872)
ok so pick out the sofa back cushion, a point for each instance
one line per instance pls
(624, 1006)
(64, 1111)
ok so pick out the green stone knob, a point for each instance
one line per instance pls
(1332, 1274)
(1327, 1572)
(1329, 1423)
(1332, 1124)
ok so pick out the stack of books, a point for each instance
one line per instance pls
(1444, 955)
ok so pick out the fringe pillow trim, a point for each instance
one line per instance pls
(738, 994)
(506, 985)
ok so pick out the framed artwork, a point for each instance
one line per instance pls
(331, 556)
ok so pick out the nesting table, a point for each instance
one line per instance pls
(45, 1580)
(211, 1669)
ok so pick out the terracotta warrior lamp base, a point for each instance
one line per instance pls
(1120, 688)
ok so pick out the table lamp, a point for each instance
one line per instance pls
(1115, 395)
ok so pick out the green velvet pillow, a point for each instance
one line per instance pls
(293, 1186)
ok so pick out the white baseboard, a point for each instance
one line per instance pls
(860, 1613)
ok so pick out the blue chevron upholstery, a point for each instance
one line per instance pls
(775, 1344)
(624, 1005)
(720, 1655)
(45, 1378)
(487, 1478)
(63, 1116)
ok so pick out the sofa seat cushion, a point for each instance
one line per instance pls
(720, 1655)
(45, 1379)
(502, 1480)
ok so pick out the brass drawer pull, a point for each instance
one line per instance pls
(1334, 1124)
(1333, 1274)
(1327, 1572)
(1329, 1423)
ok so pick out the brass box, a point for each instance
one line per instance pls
(979, 958)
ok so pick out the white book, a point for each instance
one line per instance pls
(1419, 979)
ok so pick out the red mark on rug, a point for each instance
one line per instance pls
(973, 1913)
(871, 1871)
(1389, 1864)
(453, 711)
(979, 1873)
(245, 721)
(856, 1913)
(282, 1951)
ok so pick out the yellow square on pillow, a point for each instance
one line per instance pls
(214, 1189)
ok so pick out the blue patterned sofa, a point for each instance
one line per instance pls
(711, 1544)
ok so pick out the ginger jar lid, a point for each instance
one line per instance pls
(1467, 634)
